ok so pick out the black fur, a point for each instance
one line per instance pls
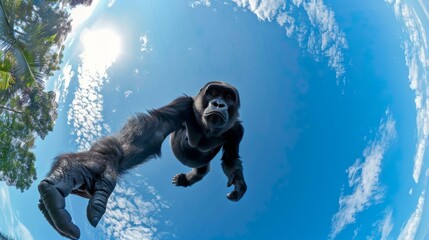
(200, 127)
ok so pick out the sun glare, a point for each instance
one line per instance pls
(101, 47)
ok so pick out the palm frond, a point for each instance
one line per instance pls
(6, 78)
(26, 68)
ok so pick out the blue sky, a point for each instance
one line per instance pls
(334, 102)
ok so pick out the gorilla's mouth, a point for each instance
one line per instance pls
(215, 117)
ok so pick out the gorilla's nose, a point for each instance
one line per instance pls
(218, 103)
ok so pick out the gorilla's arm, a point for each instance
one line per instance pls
(93, 173)
(231, 163)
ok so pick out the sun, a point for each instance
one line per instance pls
(101, 47)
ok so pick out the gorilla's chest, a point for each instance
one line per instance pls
(194, 152)
(206, 144)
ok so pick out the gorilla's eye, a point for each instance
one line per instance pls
(214, 92)
(228, 96)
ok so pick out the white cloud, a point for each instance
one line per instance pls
(331, 41)
(128, 93)
(423, 7)
(318, 32)
(111, 3)
(297, 2)
(85, 113)
(81, 13)
(386, 226)
(24, 232)
(410, 229)
(144, 39)
(9, 220)
(130, 215)
(416, 52)
(62, 84)
(196, 3)
(383, 228)
(355, 233)
(268, 9)
(363, 176)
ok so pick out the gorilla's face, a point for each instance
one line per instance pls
(216, 107)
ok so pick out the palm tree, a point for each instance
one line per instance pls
(25, 65)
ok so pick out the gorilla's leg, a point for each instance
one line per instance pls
(188, 179)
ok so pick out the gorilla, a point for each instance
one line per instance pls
(200, 127)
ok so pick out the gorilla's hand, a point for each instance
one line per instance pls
(87, 174)
(240, 186)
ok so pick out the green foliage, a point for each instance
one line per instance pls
(18, 132)
(16, 159)
(32, 33)
(6, 78)
(19, 127)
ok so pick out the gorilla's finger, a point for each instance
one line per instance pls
(231, 180)
(48, 217)
(180, 180)
(54, 205)
(232, 196)
(97, 204)
(239, 190)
